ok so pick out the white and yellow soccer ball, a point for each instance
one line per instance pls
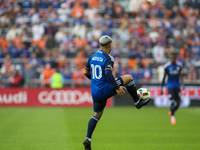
(143, 93)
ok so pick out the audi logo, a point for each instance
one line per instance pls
(62, 97)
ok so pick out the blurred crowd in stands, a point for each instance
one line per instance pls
(39, 36)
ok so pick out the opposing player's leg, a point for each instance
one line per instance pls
(98, 107)
(174, 95)
(131, 87)
(177, 99)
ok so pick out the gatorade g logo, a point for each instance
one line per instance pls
(64, 97)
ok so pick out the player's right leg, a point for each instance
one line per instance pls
(131, 87)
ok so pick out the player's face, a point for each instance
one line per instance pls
(173, 59)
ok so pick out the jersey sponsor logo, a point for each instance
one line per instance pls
(174, 72)
(62, 97)
(118, 82)
(17, 98)
(109, 66)
(97, 59)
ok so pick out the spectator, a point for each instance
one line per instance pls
(179, 41)
(35, 49)
(158, 53)
(154, 36)
(79, 60)
(13, 51)
(46, 75)
(21, 19)
(34, 61)
(90, 13)
(50, 43)
(66, 44)
(79, 30)
(192, 75)
(26, 5)
(44, 4)
(30, 75)
(17, 41)
(63, 12)
(123, 36)
(116, 50)
(4, 20)
(147, 72)
(55, 4)
(136, 74)
(37, 31)
(59, 35)
(80, 42)
(107, 21)
(77, 76)
(67, 74)
(57, 22)
(57, 80)
(160, 72)
(171, 3)
(77, 10)
(7, 66)
(17, 79)
(3, 42)
(106, 31)
(11, 33)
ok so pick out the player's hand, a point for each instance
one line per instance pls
(121, 91)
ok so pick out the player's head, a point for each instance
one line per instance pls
(173, 58)
(105, 43)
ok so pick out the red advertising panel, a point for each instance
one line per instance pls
(189, 93)
(46, 97)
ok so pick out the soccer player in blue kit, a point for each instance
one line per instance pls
(103, 84)
(173, 71)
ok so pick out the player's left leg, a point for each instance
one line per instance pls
(98, 112)
(177, 99)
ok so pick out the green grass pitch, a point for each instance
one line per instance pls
(120, 128)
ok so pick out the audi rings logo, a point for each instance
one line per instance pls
(67, 97)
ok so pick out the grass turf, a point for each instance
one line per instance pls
(120, 128)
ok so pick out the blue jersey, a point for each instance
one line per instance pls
(173, 72)
(97, 64)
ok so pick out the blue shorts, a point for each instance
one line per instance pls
(99, 106)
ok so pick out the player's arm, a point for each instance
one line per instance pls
(163, 82)
(181, 79)
(111, 79)
(87, 71)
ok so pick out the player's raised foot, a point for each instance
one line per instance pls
(173, 120)
(170, 113)
(142, 102)
(144, 97)
(87, 144)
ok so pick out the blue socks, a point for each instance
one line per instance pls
(132, 90)
(91, 126)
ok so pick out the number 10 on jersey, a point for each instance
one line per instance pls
(94, 71)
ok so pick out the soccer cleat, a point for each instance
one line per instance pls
(142, 102)
(170, 113)
(173, 122)
(87, 144)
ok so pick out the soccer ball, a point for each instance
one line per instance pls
(144, 93)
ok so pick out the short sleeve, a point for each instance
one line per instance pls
(109, 64)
